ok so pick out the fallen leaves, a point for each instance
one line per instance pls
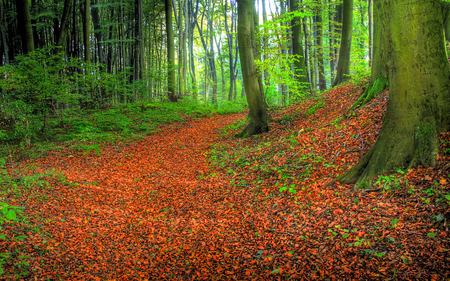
(158, 210)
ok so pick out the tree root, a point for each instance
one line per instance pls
(374, 89)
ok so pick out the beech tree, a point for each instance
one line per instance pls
(343, 65)
(415, 63)
(247, 53)
(171, 87)
(24, 23)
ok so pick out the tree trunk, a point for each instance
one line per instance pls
(343, 65)
(297, 47)
(59, 37)
(87, 29)
(419, 98)
(170, 53)
(97, 31)
(319, 46)
(24, 24)
(246, 36)
(138, 60)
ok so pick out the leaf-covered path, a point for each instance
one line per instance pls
(131, 209)
(158, 210)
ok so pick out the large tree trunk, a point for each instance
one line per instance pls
(343, 65)
(246, 36)
(24, 24)
(419, 98)
(171, 92)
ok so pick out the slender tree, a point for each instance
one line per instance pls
(138, 59)
(86, 11)
(62, 28)
(24, 24)
(297, 46)
(343, 65)
(171, 92)
(419, 97)
(254, 94)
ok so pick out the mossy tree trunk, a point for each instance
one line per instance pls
(380, 62)
(254, 94)
(419, 99)
(343, 65)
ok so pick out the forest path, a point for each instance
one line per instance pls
(157, 210)
(131, 208)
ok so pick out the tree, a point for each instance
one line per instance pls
(61, 31)
(138, 59)
(171, 92)
(297, 47)
(86, 11)
(254, 94)
(24, 24)
(418, 74)
(343, 65)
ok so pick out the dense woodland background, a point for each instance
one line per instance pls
(97, 54)
(328, 97)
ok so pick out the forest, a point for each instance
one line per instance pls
(224, 139)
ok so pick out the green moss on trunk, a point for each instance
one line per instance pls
(418, 106)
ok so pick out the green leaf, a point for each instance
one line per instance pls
(11, 215)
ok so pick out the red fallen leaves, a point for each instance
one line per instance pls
(156, 210)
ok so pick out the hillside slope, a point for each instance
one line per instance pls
(192, 202)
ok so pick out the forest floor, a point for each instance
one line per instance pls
(192, 202)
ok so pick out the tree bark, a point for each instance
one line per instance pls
(343, 65)
(86, 29)
(319, 46)
(171, 92)
(59, 37)
(138, 61)
(297, 47)
(246, 37)
(24, 24)
(419, 98)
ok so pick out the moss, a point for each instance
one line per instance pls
(426, 144)
(374, 89)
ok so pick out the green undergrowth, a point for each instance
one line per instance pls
(85, 130)
(279, 163)
(15, 225)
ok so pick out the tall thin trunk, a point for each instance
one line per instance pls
(343, 65)
(319, 46)
(138, 60)
(171, 87)
(297, 47)
(86, 11)
(62, 28)
(246, 36)
(97, 31)
(24, 24)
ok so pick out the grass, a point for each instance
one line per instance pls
(85, 130)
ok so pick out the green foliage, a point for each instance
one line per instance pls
(47, 98)
(313, 109)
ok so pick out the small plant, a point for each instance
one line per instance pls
(313, 109)
(389, 183)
